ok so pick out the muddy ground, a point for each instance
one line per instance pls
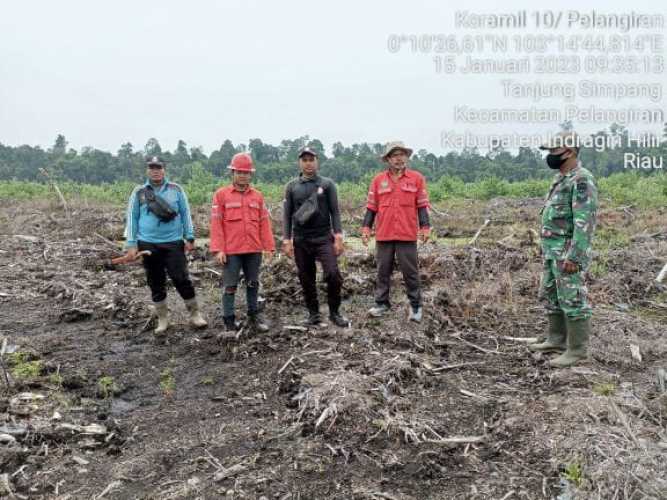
(456, 407)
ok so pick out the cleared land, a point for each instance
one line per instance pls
(454, 408)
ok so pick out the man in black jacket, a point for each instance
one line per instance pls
(312, 232)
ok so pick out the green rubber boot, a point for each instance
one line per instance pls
(555, 341)
(162, 314)
(578, 331)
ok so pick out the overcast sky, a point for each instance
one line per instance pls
(106, 73)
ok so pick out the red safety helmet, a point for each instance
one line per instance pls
(241, 162)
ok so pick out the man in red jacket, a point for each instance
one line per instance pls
(398, 200)
(240, 232)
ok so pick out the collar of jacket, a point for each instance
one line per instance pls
(304, 179)
(163, 186)
(404, 173)
(571, 172)
(246, 190)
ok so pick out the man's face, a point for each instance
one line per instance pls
(155, 173)
(563, 152)
(308, 164)
(241, 178)
(398, 159)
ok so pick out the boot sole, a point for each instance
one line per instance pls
(566, 365)
(548, 349)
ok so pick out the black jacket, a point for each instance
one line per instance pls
(327, 216)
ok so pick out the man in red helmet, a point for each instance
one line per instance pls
(240, 232)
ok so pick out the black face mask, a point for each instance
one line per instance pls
(556, 161)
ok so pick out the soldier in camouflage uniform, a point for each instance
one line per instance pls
(567, 227)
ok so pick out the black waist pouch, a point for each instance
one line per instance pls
(309, 208)
(158, 205)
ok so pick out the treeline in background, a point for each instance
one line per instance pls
(468, 173)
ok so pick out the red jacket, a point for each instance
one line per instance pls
(396, 204)
(240, 222)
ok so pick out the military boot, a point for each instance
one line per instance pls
(256, 322)
(578, 332)
(312, 319)
(230, 323)
(555, 341)
(338, 319)
(196, 319)
(162, 313)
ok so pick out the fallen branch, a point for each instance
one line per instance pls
(472, 395)
(526, 340)
(661, 274)
(479, 231)
(2, 362)
(111, 486)
(213, 271)
(295, 328)
(289, 361)
(453, 367)
(476, 346)
(228, 472)
(662, 379)
(457, 440)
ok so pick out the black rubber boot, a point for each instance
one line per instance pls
(230, 323)
(339, 320)
(257, 323)
(313, 319)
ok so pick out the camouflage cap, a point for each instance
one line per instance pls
(393, 146)
(566, 139)
(307, 151)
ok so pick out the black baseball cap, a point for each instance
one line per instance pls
(155, 160)
(307, 151)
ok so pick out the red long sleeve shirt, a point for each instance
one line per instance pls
(240, 222)
(396, 204)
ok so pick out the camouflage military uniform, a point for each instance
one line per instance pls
(568, 223)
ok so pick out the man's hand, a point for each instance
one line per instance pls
(339, 247)
(365, 235)
(268, 255)
(132, 253)
(221, 258)
(424, 234)
(570, 267)
(288, 248)
(189, 246)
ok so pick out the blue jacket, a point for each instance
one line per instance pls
(143, 225)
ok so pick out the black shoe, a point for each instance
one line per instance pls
(339, 320)
(313, 319)
(257, 323)
(230, 323)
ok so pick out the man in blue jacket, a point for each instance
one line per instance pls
(158, 220)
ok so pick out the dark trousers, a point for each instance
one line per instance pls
(167, 258)
(306, 253)
(231, 273)
(405, 252)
